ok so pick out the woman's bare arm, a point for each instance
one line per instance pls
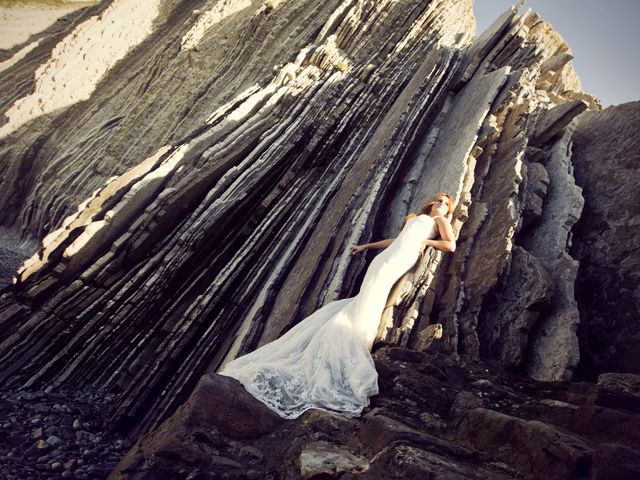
(375, 245)
(448, 240)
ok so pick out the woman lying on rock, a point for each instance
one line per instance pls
(324, 362)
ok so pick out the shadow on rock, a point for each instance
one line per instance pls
(201, 437)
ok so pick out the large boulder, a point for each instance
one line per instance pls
(200, 434)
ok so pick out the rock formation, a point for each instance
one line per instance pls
(434, 418)
(605, 159)
(197, 189)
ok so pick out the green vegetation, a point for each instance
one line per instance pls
(268, 6)
(342, 66)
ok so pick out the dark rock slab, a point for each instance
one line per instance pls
(553, 121)
(615, 462)
(606, 239)
(380, 431)
(536, 449)
(505, 325)
(199, 433)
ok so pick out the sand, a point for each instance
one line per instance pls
(18, 23)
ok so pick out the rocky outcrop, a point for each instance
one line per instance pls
(199, 195)
(504, 333)
(606, 240)
(554, 351)
(434, 418)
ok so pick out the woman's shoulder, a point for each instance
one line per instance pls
(442, 219)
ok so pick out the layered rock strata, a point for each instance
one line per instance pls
(204, 197)
(142, 289)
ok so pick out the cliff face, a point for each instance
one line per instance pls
(605, 158)
(198, 186)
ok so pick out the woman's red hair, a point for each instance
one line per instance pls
(426, 208)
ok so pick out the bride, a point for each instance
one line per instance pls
(324, 361)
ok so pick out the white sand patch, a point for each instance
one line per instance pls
(208, 19)
(17, 24)
(82, 58)
(19, 55)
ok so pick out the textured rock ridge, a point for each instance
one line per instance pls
(515, 176)
(202, 197)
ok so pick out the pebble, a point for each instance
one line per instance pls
(56, 453)
(41, 408)
(42, 445)
(88, 454)
(67, 474)
(54, 441)
(56, 466)
(28, 396)
(84, 437)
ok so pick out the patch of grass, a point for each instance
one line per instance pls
(268, 6)
(342, 66)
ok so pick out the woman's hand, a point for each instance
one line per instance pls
(374, 245)
(358, 248)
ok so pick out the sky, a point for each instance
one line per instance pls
(604, 36)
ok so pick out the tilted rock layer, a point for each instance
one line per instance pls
(199, 195)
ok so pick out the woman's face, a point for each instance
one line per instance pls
(441, 205)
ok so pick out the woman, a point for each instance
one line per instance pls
(324, 362)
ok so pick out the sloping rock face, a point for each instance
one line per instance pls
(198, 192)
(434, 418)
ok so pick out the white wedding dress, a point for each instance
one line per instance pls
(324, 361)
